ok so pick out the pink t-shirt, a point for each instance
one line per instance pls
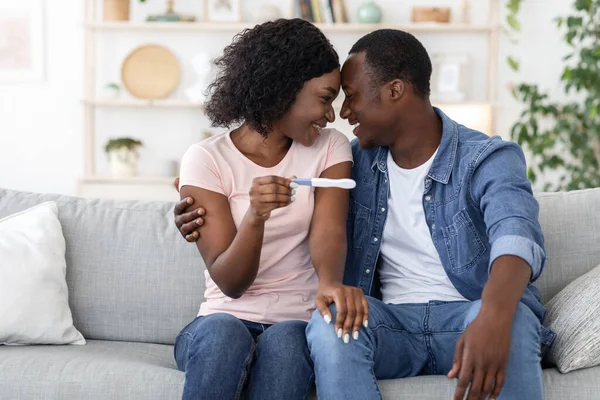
(286, 283)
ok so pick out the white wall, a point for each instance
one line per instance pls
(41, 123)
(539, 49)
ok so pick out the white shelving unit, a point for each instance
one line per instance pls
(143, 103)
(327, 28)
(161, 188)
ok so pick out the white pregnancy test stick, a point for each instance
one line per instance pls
(325, 182)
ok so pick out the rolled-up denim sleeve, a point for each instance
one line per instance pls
(501, 190)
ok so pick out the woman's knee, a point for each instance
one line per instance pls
(283, 337)
(221, 324)
(221, 330)
(282, 367)
(212, 336)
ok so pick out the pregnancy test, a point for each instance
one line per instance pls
(325, 182)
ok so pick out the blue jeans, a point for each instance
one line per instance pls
(222, 355)
(415, 339)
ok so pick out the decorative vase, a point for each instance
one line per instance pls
(123, 162)
(369, 13)
(116, 10)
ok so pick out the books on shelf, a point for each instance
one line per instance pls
(322, 11)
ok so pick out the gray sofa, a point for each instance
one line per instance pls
(134, 283)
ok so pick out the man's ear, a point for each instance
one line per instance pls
(396, 89)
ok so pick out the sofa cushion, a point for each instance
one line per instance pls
(34, 297)
(98, 370)
(571, 226)
(574, 314)
(131, 276)
(156, 278)
(581, 385)
(129, 371)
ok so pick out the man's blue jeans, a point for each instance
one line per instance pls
(222, 355)
(415, 339)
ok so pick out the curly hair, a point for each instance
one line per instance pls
(263, 69)
(409, 59)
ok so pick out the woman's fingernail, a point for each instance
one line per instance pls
(340, 333)
(189, 200)
(346, 338)
(200, 212)
(366, 323)
(293, 192)
(293, 185)
(355, 335)
(327, 319)
(293, 199)
(198, 221)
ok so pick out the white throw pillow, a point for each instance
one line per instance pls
(34, 299)
(574, 314)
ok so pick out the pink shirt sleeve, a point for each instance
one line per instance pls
(339, 149)
(198, 168)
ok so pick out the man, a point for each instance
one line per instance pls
(442, 234)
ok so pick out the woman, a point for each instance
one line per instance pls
(272, 249)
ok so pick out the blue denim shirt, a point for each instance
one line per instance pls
(478, 204)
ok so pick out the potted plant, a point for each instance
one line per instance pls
(123, 155)
(112, 90)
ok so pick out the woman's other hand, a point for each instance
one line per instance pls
(269, 193)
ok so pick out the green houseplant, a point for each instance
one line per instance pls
(123, 155)
(564, 137)
(514, 26)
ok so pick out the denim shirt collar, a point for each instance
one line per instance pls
(444, 160)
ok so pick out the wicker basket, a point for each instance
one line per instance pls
(116, 10)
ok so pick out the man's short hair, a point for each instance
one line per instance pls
(393, 54)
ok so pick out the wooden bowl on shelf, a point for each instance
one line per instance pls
(151, 72)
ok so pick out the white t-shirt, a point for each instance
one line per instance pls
(410, 268)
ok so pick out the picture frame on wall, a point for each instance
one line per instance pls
(449, 79)
(223, 10)
(22, 41)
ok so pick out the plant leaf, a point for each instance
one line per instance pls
(512, 21)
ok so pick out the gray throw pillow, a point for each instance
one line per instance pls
(574, 314)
